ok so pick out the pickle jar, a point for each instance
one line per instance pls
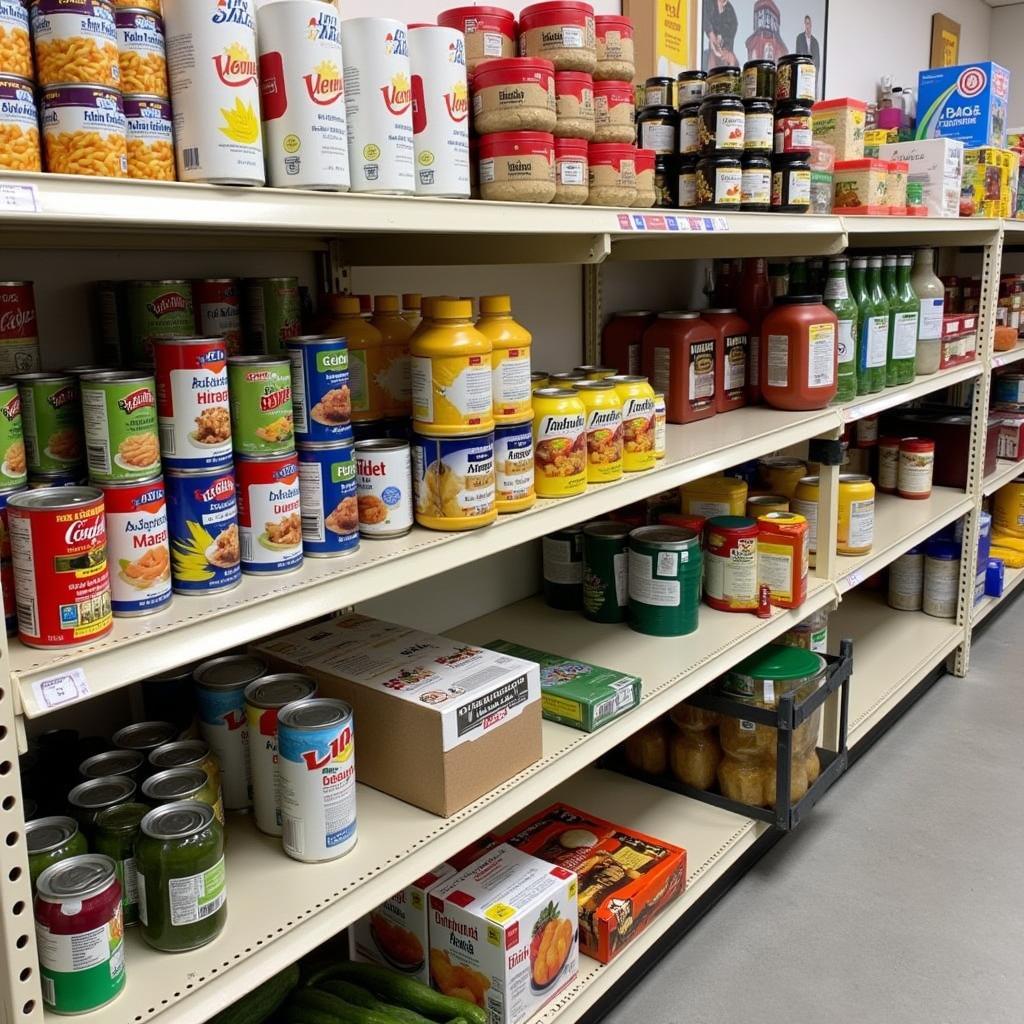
(117, 828)
(88, 798)
(178, 784)
(179, 857)
(50, 840)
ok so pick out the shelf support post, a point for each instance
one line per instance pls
(592, 311)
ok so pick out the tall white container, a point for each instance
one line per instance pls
(214, 75)
(378, 105)
(440, 117)
(303, 96)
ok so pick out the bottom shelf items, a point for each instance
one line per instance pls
(987, 605)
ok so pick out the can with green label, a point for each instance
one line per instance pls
(155, 309)
(51, 416)
(664, 580)
(119, 413)
(563, 568)
(273, 312)
(260, 396)
(13, 471)
(606, 571)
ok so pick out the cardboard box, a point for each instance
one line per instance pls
(938, 166)
(840, 123)
(625, 877)
(503, 932)
(576, 693)
(438, 723)
(664, 34)
(1011, 437)
(969, 103)
(989, 183)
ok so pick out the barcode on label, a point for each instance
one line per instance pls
(99, 457)
(246, 544)
(191, 157)
(312, 528)
(604, 709)
(27, 617)
(49, 995)
(209, 908)
(292, 835)
(167, 439)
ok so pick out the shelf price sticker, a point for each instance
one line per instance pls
(19, 199)
(851, 580)
(670, 222)
(59, 689)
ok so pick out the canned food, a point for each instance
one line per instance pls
(566, 380)
(941, 577)
(175, 784)
(51, 418)
(186, 754)
(606, 571)
(119, 410)
(664, 580)
(137, 546)
(212, 63)
(317, 771)
(114, 762)
(906, 581)
(916, 465)
(660, 425)
(321, 395)
(156, 309)
(559, 443)
(144, 736)
(80, 934)
(19, 121)
(562, 568)
(15, 48)
(514, 466)
(19, 345)
(603, 407)
(263, 700)
(50, 840)
(218, 311)
(270, 525)
(192, 402)
(538, 380)
(13, 467)
(150, 138)
(453, 481)
(75, 41)
(273, 312)
(89, 798)
(888, 464)
(202, 520)
(330, 506)
(142, 52)
(260, 395)
(638, 419)
(59, 553)
(302, 90)
(84, 131)
(220, 702)
(116, 830)
(856, 531)
(730, 563)
(384, 487)
(593, 372)
(782, 557)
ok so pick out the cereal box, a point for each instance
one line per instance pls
(504, 935)
(969, 103)
(625, 877)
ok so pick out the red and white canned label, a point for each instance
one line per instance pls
(138, 547)
(19, 343)
(384, 489)
(269, 514)
(60, 574)
(218, 307)
(192, 402)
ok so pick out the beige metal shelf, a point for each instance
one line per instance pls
(987, 605)
(1006, 471)
(919, 387)
(1012, 355)
(893, 231)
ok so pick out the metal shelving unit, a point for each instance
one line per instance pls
(1006, 471)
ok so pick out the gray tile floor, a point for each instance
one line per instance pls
(900, 900)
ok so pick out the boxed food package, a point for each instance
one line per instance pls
(896, 187)
(969, 103)
(990, 182)
(861, 187)
(937, 165)
(504, 935)
(577, 693)
(840, 123)
(1011, 436)
(625, 877)
(438, 723)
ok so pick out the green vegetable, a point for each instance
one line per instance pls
(361, 997)
(343, 1012)
(262, 1002)
(292, 1014)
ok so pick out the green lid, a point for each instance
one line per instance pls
(780, 663)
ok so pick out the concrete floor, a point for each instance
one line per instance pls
(900, 899)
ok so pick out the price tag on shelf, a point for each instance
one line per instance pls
(851, 580)
(61, 688)
(19, 199)
(671, 222)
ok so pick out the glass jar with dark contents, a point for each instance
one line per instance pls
(756, 192)
(691, 86)
(724, 81)
(758, 80)
(88, 798)
(758, 126)
(657, 129)
(721, 125)
(796, 78)
(793, 130)
(689, 129)
(687, 189)
(659, 92)
(666, 181)
(117, 828)
(719, 182)
(791, 184)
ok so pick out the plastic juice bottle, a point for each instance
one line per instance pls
(930, 292)
(396, 331)
(366, 356)
(906, 318)
(510, 359)
(874, 331)
(838, 298)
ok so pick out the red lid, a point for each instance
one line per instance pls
(571, 12)
(689, 522)
(602, 152)
(505, 70)
(603, 22)
(622, 91)
(455, 17)
(572, 147)
(504, 143)
(899, 165)
(425, 24)
(846, 101)
(867, 164)
(365, 303)
(577, 78)
(645, 160)
(917, 444)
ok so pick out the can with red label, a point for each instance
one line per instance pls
(269, 516)
(730, 563)
(6, 568)
(202, 519)
(303, 95)
(217, 302)
(137, 546)
(59, 550)
(192, 402)
(19, 343)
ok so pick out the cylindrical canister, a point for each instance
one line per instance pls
(559, 443)
(606, 571)
(514, 466)
(917, 462)
(664, 580)
(782, 557)
(730, 563)
(384, 486)
(888, 464)
(856, 531)
(562, 561)
(269, 518)
(906, 581)
(260, 393)
(330, 506)
(941, 578)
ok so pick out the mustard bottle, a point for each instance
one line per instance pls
(366, 356)
(510, 359)
(412, 303)
(396, 331)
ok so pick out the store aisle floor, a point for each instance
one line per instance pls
(899, 900)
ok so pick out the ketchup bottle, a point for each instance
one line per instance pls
(754, 301)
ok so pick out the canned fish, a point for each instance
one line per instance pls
(730, 563)
(202, 520)
(664, 580)
(150, 135)
(218, 310)
(559, 443)
(606, 571)
(13, 469)
(52, 421)
(379, 106)
(15, 48)
(384, 487)
(19, 345)
(19, 122)
(212, 63)
(75, 41)
(192, 402)
(260, 390)
(453, 481)
(156, 309)
(263, 700)
(330, 507)
(84, 131)
(141, 51)
(321, 396)
(513, 467)
(302, 88)
(273, 313)
(317, 771)
(269, 520)
(220, 702)
(119, 410)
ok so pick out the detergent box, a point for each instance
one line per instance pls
(969, 103)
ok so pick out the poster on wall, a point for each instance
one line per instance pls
(735, 31)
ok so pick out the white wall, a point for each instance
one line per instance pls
(1007, 48)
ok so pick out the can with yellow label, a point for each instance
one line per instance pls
(592, 372)
(638, 422)
(856, 531)
(559, 443)
(604, 430)
(660, 425)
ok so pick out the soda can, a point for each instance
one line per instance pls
(384, 486)
(220, 702)
(321, 396)
(273, 312)
(263, 699)
(119, 413)
(269, 520)
(317, 771)
(302, 88)
(260, 389)
(218, 310)
(202, 520)
(606, 571)
(51, 418)
(330, 507)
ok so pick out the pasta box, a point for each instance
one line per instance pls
(625, 877)
(438, 723)
(576, 693)
(504, 934)
(969, 103)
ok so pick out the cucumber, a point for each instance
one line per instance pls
(342, 1011)
(361, 997)
(413, 995)
(301, 1015)
(262, 1002)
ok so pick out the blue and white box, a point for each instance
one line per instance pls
(969, 103)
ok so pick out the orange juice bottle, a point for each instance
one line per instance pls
(396, 331)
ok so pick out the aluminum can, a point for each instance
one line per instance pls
(19, 123)
(321, 394)
(19, 343)
(606, 571)
(202, 520)
(218, 310)
(269, 520)
(119, 414)
(260, 389)
(16, 49)
(453, 481)
(559, 443)
(514, 466)
(730, 563)
(384, 487)
(330, 508)
(273, 313)
(84, 130)
(155, 309)
(51, 418)
(664, 580)
(75, 41)
(149, 129)
(142, 51)
(13, 468)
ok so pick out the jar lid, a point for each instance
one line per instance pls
(179, 753)
(692, 76)
(613, 21)
(279, 689)
(679, 314)
(98, 793)
(724, 69)
(607, 528)
(144, 735)
(633, 312)
(917, 444)
(111, 762)
(576, 6)
(945, 550)
(386, 304)
(732, 523)
(671, 538)
(782, 462)
(314, 713)
(798, 300)
(496, 304)
(662, 80)
(124, 818)
(234, 671)
(778, 662)
(854, 478)
(555, 392)
(721, 311)
(77, 878)
(502, 65)
(175, 784)
(594, 385)
(42, 835)
(455, 13)
(759, 64)
(177, 820)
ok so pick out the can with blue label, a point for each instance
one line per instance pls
(202, 520)
(269, 522)
(321, 398)
(513, 466)
(317, 772)
(330, 507)
(453, 481)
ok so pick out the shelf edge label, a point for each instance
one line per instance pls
(19, 199)
(61, 688)
(659, 223)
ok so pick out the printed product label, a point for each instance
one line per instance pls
(268, 515)
(222, 724)
(513, 463)
(572, 172)
(330, 506)
(729, 130)
(809, 510)
(702, 374)
(689, 139)
(835, 288)
(915, 472)
(800, 185)
(940, 581)
(931, 319)
(707, 509)
(140, 558)
(563, 561)
(604, 444)
(757, 187)
(732, 579)
(359, 381)
(510, 379)
(120, 429)
(453, 479)
(778, 360)
(735, 377)
(195, 897)
(904, 337)
(657, 136)
(322, 392)
(877, 341)
(662, 370)
(845, 341)
(195, 430)
(821, 355)
(81, 972)
(688, 192)
(806, 75)
(862, 523)
(261, 408)
(728, 185)
(775, 567)
(452, 390)
(384, 491)
(758, 132)
(644, 588)
(202, 517)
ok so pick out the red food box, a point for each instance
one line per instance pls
(625, 877)
(952, 330)
(1011, 437)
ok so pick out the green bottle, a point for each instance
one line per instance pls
(905, 312)
(799, 282)
(873, 339)
(838, 298)
(889, 290)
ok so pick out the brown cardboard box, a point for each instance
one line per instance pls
(664, 36)
(438, 723)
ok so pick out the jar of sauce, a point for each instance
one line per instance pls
(756, 194)
(621, 338)
(719, 183)
(689, 129)
(724, 81)
(801, 358)
(758, 80)
(796, 78)
(722, 125)
(687, 191)
(117, 828)
(754, 303)
(888, 464)
(793, 133)
(659, 92)
(791, 184)
(657, 128)
(691, 86)
(666, 182)
(679, 356)
(732, 349)
(758, 126)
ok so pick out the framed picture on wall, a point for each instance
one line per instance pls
(945, 42)
(735, 31)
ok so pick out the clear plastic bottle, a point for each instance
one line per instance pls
(905, 314)
(841, 302)
(930, 293)
(874, 330)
